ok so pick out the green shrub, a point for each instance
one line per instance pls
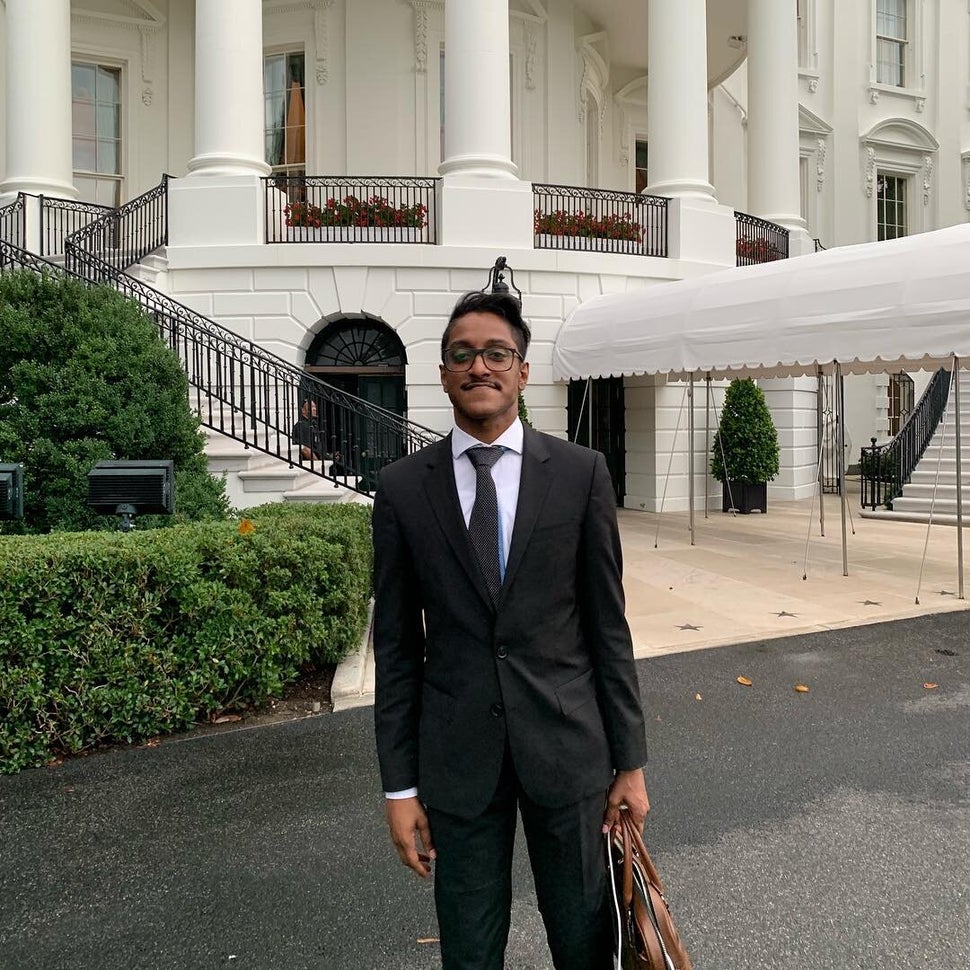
(747, 436)
(84, 376)
(109, 637)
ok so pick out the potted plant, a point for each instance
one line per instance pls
(619, 232)
(758, 250)
(352, 219)
(745, 451)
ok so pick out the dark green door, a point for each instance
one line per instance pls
(596, 419)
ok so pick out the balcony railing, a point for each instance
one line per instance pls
(13, 222)
(887, 468)
(759, 241)
(59, 218)
(599, 220)
(347, 209)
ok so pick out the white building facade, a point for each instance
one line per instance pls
(838, 122)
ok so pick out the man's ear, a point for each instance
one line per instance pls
(523, 375)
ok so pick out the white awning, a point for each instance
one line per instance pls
(904, 303)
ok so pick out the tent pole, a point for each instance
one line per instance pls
(956, 407)
(820, 437)
(707, 445)
(690, 454)
(840, 457)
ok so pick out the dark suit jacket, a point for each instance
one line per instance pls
(548, 670)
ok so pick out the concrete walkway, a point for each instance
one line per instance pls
(742, 580)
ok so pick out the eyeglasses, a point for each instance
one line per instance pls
(460, 359)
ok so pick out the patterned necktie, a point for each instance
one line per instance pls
(483, 524)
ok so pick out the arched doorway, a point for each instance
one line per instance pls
(361, 355)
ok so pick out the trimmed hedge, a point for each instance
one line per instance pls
(108, 637)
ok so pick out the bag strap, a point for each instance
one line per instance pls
(632, 839)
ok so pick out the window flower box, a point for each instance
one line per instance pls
(595, 244)
(355, 220)
(580, 230)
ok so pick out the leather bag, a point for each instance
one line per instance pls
(644, 934)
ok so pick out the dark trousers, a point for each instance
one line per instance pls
(473, 879)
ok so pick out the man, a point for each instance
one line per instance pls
(505, 674)
(307, 433)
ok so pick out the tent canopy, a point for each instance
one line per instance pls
(872, 307)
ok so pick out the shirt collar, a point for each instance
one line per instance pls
(511, 439)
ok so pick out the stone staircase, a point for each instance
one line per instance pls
(936, 472)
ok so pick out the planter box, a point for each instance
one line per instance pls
(747, 498)
(352, 234)
(588, 244)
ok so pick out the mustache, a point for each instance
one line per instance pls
(470, 384)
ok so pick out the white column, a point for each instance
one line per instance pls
(677, 125)
(228, 88)
(477, 96)
(773, 188)
(38, 55)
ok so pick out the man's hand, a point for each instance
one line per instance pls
(629, 790)
(406, 819)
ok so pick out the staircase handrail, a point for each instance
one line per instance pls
(13, 221)
(253, 418)
(886, 468)
(128, 233)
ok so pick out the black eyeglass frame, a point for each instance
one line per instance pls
(479, 352)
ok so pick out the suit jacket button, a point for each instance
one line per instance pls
(502, 652)
(496, 710)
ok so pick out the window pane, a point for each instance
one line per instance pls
(108, 157)
(109, 85)
(274, 148)
(109, 121)
(82, 82)
(890, 61)
(82, 119)
(85, 154)
(295, 68)
(891, 18)
(274, 75)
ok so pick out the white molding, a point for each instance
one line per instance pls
(595, 76)
(321, 39)
(421, 18)
(153, 18)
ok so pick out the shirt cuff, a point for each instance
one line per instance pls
(405, 793)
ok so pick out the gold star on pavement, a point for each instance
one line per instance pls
(688, 626)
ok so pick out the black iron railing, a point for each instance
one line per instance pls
(819, 248)
(13, 222)
(886, 468)
(599, 220)
(254, 397)
(828, 436)
(759, 241)
(347, 209)
(60, 218)
(119, 237)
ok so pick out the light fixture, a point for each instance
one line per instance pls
(11, 491)
(130, 488)
(496, 280)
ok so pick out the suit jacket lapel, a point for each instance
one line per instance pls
(533, 487)
(443, 495)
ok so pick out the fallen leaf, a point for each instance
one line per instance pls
(745, 681)
(152, 743)
(697, 697)
(428, 939)
(931, 686)
(801, 688)
(226, 718)
(246, 527)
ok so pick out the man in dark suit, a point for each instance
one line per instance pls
(505, 677)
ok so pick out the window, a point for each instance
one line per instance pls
(891, 221)
(891, 42)
(641, 166)
(284, 117)
(96, 132)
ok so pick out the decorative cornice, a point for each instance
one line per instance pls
(819, 164)
(321, 35)
(421, 8)
(153, 18)
(531, 52)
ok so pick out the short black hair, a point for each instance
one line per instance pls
(502, 305)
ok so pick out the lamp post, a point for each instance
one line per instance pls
(496, 280)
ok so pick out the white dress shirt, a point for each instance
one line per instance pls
(506, 473)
